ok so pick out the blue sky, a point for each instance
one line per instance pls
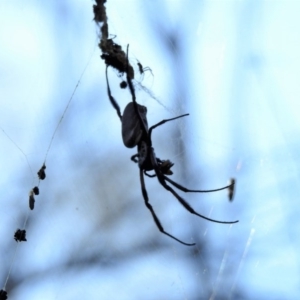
(234, 66)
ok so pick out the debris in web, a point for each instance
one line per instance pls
(31, 200)
(112, 53)
(231, 189)
(36, 190)
(41, 173)
(20, 235)
(3, 295)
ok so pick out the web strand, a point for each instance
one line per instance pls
(68, 105)
(41, 171)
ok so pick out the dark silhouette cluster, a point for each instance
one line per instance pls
(100, 11)
(3, 295)
(20, 234)
(112, 53)
(34, 191)
(41, 173)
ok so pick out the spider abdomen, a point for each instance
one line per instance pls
(132, 129)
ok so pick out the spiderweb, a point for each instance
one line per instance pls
(231, 65)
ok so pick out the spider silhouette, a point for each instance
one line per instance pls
(142, 70)
(135, 132)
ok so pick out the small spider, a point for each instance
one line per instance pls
(143, 70)
(112, 100)
(20, 235)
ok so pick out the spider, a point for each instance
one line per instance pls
(135, 132)
(142, 70)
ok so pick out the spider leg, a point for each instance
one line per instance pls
(134, 158)
(163, 122)
(180, 187)
(129, 81)
(186, 205)
(142, 76)
(149, 175)
(112, 99)
(132, 92)
(186, 190)
(147, 69)
(156, 220)
(161, 178)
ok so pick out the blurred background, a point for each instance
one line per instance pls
(233, 65)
